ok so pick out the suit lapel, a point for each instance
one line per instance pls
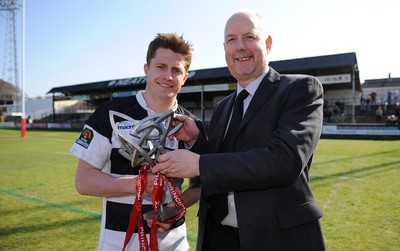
(224, 118)
(263, 93)
(265, 90)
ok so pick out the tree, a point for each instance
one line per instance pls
(8, 95)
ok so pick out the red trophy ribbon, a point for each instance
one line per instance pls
(136, 217)
(149, 136)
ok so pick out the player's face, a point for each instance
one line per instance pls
(166, 73)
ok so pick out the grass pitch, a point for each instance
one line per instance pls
(355, 182)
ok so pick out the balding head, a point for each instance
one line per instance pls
(246, 14)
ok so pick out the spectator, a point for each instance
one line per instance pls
(373, 97)
(389, 97)
(379, 113)
(363, 103)
(368, 103)
(392, 120)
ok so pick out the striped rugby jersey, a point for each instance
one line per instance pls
(98, 145)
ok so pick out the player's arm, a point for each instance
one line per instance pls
(90, 180)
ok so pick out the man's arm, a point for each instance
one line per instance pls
(192, 194)
(90, 180)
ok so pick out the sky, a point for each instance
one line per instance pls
(83, 41)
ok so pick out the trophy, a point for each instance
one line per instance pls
(151, 134)
(148, 141)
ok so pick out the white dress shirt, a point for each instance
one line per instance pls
(231, 219)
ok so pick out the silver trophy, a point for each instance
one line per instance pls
(150, 134)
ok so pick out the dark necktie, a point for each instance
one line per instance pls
(218, 203)
(236, 118)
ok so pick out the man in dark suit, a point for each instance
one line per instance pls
(255, 181)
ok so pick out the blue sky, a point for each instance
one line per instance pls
(82, 41)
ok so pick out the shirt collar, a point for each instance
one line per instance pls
(252, 87)
(143, 104)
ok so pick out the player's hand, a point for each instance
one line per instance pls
(161, 226)
(148, 190)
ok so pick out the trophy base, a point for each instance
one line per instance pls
(163, 214)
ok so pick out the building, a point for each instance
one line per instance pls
(338, 73)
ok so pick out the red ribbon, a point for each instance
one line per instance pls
(136, 217)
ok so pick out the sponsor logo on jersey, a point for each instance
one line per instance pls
(85, 138)
(125, 127)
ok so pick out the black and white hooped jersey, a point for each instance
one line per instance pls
(98, 145)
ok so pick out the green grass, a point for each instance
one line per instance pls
(355, 182)
(357, 185)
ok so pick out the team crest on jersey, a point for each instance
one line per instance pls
(85, 138)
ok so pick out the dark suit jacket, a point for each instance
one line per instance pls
(269, 171)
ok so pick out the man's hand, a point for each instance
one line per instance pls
(179, 163)
(188, 132)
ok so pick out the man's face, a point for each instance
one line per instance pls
(165, 74)
(245, 48)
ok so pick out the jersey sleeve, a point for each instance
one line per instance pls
(92, 147)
